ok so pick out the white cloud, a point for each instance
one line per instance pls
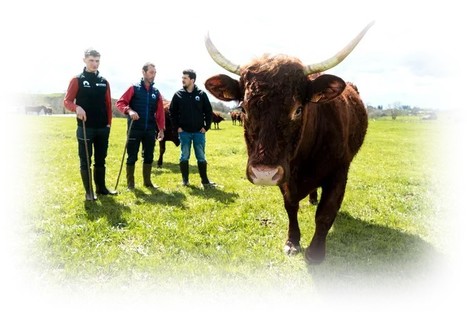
(409, 42)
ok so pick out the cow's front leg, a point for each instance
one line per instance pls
(329, 205)
(292, 245)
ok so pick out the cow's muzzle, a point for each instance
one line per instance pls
(264, 175)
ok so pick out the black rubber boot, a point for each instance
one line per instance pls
(99, 179)
(184, 169)
(85, 177)
(202, 168)
(130, 177)
(147, 176)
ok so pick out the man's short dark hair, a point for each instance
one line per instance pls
(147, 65)
(191, 73)
(91, 52)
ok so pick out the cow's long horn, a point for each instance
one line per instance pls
(219, 58)
(339, 57)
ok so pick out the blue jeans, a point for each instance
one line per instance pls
(97, 141)
(199, 142)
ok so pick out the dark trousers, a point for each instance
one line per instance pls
(98, 143)
(147, 138)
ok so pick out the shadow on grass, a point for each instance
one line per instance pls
(361, 252)
(179, 199)
(216, 193)
(169, 166)
(196, 187)
(107, 207)
(159, 196)
(175, 168)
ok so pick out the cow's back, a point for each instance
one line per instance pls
(357, 117)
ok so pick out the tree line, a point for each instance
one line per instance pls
(54, 101)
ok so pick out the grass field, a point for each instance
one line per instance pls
(228, 239)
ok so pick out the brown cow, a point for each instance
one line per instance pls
(240, 116)
(301, 134)
(237, 115)
(170, 134)
(233, 116)
(216, 119)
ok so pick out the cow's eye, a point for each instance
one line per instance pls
(298, 112)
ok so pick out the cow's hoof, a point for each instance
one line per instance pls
(314, 257)
(291, 249)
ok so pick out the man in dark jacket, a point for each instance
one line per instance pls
(88, 95)
(191, 114)
(143, 104)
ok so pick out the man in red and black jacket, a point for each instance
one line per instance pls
(88, 95)
(143, 104)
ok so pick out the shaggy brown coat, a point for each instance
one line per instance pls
(301, 134)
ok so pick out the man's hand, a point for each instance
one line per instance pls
(160, 135)
(80, 113)
(133, 115)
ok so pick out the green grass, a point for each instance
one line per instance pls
(385, 228)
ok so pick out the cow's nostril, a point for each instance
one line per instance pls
(263, 175)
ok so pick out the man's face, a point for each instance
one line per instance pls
(92, 63)
(186, 81)
(150, 74)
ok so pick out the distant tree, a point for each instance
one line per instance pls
(220, 107)
(395, 109)
(115, 111)
(374, 112)
(415, 110)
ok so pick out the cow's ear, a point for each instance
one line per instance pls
(325, 88)
(224, 88)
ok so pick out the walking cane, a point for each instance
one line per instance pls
(87, 160)
(123, 156)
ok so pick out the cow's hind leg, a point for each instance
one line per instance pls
(331, 199)
(313, 197)
(161, 153)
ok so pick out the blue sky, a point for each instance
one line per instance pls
(410, 56)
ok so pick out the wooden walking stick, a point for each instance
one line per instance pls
(124, 150)
(87, 161)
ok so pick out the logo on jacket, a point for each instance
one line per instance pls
(101, 84)
(153, 96)
(197, 98)
(86, 84)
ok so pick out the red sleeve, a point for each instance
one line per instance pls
(123, 104)
(160, 114)
(108, 104)
(70, 95)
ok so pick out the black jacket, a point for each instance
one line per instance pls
(91, 97)
(191, 111)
